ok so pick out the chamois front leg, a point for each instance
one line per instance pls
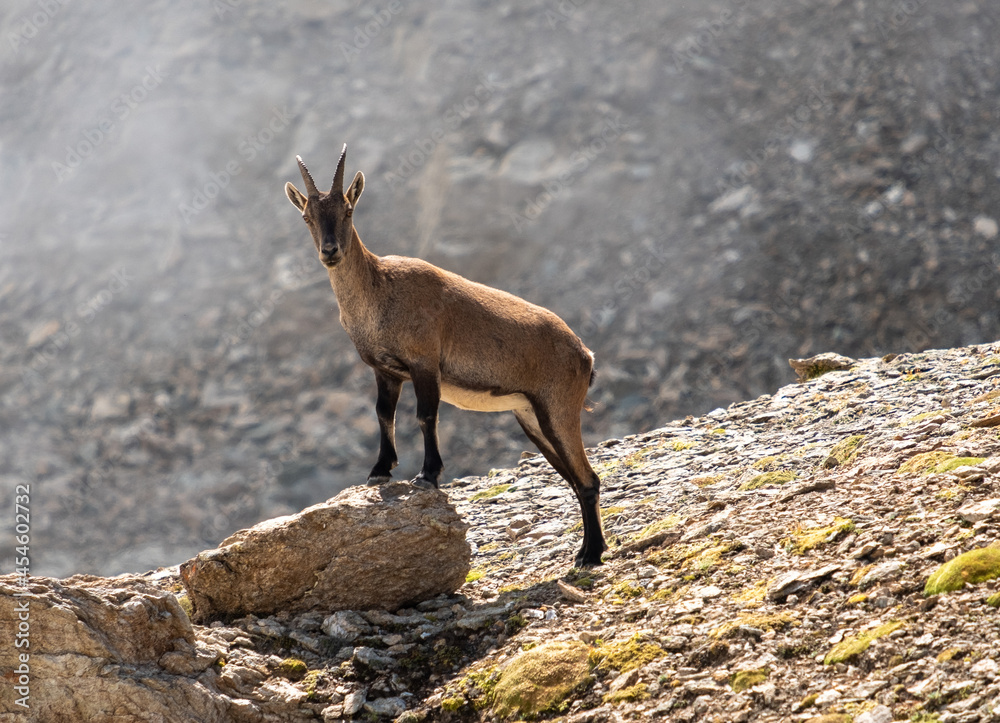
(385, 409)
(427, 386)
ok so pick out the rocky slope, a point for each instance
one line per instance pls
(770, 562)
(701, 190)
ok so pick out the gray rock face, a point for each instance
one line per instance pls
(96, 646)
(368, 547)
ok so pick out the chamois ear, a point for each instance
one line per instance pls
(357, 186)
(295, 196)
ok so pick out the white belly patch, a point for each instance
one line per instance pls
(482, 401)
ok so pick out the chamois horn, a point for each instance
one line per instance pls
(338, 179)
(307, 178)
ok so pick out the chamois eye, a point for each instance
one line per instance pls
(350, 210)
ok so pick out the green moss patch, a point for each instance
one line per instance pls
(769, 478)
(994, 600)
(541, 678)
(667, 523)
(768, 464)
(293, 669)
(625, 655)
(853, 646)
(745, 679)
(494, 491)
(948, 654)
(631, 694)
(969, 567)
(846, 450)
(804, 540)
(626, 590)
(936, 462)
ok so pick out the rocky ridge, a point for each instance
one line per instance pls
(768, 563)
(777, 178)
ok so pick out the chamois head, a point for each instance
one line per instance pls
(328, 215)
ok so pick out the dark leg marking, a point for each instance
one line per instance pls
(566, 446)
(427, 387)
(385, 409)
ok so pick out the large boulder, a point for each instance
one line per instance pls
(101, 649)
(367, 548)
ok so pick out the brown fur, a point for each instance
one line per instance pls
(457, 341)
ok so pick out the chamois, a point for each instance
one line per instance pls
(459, 341)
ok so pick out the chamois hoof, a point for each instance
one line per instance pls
(424, 482)
(378, 481)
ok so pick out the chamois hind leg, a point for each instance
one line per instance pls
(529, 423)
(385, 409)
(427, 385)
(560, 426)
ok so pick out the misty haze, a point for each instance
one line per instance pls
(701, 191)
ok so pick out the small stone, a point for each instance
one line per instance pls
(986, 227)
(647, 572)
(913, 143)
(346, 625)
(41, 334)
(974, 512)
(624, 680)
(371, 658)
(732, 200)
(866, 550)
(881, 573)
(827, 697)
(878, 714)
(672, 643)
(707, 592)
(763, 552)
(109, 407)
(332, 713)
(987, 668)
(820, 364)
(353, 702)
(386, 707)
(802, 150)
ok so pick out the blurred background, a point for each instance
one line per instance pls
(702, 190)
